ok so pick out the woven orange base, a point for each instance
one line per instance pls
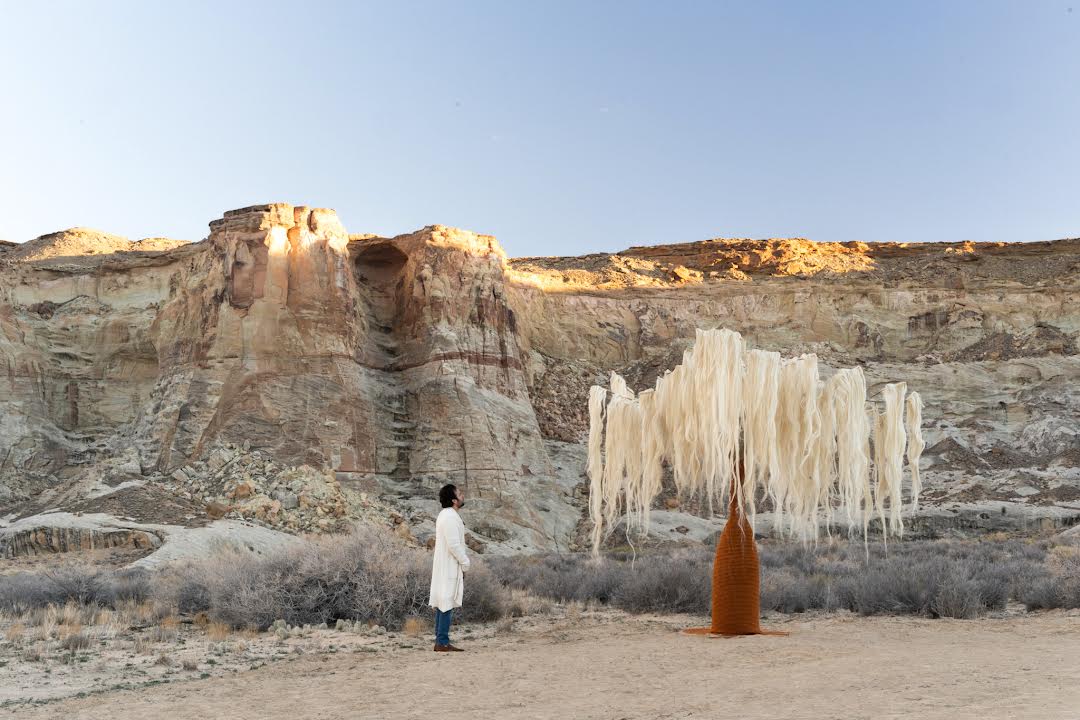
(736, 581)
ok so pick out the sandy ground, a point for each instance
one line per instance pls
(605, 665)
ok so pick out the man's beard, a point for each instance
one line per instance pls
(460, 504)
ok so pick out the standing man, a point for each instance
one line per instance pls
(449, 565)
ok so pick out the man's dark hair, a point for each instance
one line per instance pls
(447, 495)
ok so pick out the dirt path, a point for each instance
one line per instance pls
(612, 667)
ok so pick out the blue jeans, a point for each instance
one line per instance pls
(442, 626)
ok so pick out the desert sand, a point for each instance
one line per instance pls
(607, 665)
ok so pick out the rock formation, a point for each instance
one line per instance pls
(283, 361)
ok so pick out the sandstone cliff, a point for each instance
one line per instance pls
(284, 371)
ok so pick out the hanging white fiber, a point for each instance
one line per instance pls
(652, 457)
(891, 441)
(853, 490)
(761, 393)
(699, 404)
(823, 464)
(595, 467)
(805, 443)
(729, 378)
(622, 449)
(880, 488)
(710, 390)
(796, 428)
(915, 445)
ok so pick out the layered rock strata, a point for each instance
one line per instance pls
(380, 368)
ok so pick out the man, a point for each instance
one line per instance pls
(449, 565)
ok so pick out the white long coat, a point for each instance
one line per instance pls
(450, 562)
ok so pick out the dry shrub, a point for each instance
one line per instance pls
(562, 578)
(75, 641)
(189, 665)
(1064, 560)
(75, 584)
(930, 578)
(523, 603)
(188, 589)
(71, 583)
(485, 599)
(368, 576)
(21, 593)
(677, 584)
(1060, 587)
(958, 597)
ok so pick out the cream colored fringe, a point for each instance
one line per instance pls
(889, 443)
(916, 444)
(853, 490)
(761, 394)
(595, 467)
(805, 443)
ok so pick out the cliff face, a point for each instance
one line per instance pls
(393, 365)
(986, 332)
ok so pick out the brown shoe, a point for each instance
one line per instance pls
(443, 648)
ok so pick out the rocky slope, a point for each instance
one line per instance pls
(287, 373)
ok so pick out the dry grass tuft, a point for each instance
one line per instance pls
(71, 614)
(15, 632)
(524, 603)
(65, 630)
(142, 612)
(414, 626)
(46, 622)
(75, 641)
(217, 631)
(1064, 560)
(107, 624)
(166, 631)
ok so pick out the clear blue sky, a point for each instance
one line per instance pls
(562, 128)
